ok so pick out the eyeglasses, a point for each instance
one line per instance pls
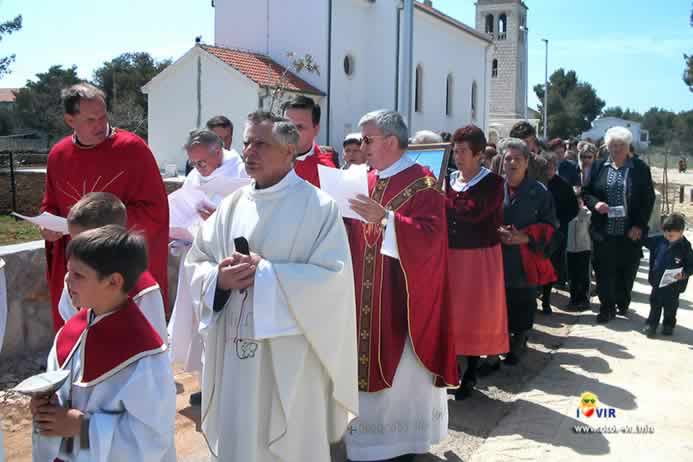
(368, 139)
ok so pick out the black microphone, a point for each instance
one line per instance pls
(241, 245)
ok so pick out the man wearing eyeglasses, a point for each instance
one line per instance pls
(405, 347)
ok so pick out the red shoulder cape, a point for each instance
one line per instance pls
(396, 299)
(308, 168)
(538, 267)
(109, 345)
(144, 284)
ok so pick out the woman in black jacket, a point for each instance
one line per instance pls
(620, 195)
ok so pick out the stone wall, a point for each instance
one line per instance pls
(29, 327)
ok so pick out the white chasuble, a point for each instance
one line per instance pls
(279, 382)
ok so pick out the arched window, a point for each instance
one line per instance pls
(418, 90)
(489, 24)
(494, 68)
(449, 95)
(502, 27)
(474, 100)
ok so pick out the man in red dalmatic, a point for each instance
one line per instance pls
(305, 114)
(97, 157)
(406, 350)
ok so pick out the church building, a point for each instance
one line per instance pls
(358, 48)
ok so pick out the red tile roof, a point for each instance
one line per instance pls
(260, 69)
(7, 95)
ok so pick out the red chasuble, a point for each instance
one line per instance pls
(405, 297)
(308, 168)
(116, 341)
(122, 165)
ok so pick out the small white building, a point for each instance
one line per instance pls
(641, 137)
(357, 46)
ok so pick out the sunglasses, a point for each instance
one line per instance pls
(368, 139)
(198, 164)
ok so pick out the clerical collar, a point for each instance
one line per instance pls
(460, 186)
(307, 154)
(110, 132)
(289, 180)
(402, 164)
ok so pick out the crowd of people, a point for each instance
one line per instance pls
(307, 328)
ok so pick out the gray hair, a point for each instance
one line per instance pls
(587, 147)
(283, 130)
(621, 134)
(513, 143)
(204, 137)
(390, 123)
(73, 95)
(426, 137)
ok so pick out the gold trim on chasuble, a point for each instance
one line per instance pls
(372, 233)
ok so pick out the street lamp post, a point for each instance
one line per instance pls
(546, 87)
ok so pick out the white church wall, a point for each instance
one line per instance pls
(173, 104)
(443, 50)
(298, 26)
(366, 32)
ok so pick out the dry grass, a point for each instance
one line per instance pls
(15, 232)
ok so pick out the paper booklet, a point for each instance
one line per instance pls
(669, 277)
(343, 185)
(48, 221)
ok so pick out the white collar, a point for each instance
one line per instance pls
(400, 165)
(308, 154)
(289, 180)
(460, 186)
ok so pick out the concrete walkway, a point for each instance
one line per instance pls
(647, 381)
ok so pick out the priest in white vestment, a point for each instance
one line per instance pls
(211, 163)
(279, 382)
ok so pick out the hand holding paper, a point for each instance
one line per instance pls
(671, 276)
(343, 185)
(48, 221)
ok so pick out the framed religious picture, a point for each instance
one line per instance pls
(435, 157)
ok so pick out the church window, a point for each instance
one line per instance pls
(494, 68)
(489, 24)
(502, 27)
(418, 90)
(448, 95)
(474, 100)
(349, 65)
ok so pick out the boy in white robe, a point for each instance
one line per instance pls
(279, 380)
(119, 401)
(98, 209)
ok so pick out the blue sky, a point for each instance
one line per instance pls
(631, 51)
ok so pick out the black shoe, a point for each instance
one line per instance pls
(465, 390)
(649, 330)
(667, 330)
(488, 367)
(623, 310)
(546, 309)
(583, 306)
(603, 318)
(196, 399)
(404, 458)
(511, 359)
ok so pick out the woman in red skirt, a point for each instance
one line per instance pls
(475, 262)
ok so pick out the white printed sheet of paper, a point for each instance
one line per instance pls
(617, 212)
(183, 205)
(48, 221)
(343, 185)
(224, 185)
(669, 277)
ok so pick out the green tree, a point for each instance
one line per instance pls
(122, 79)
(572, 105)
(8, 28)
(628, 114)
(38, 104)
(660, 124)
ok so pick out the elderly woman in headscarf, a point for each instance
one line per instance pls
(620, 195)
(529, 220)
